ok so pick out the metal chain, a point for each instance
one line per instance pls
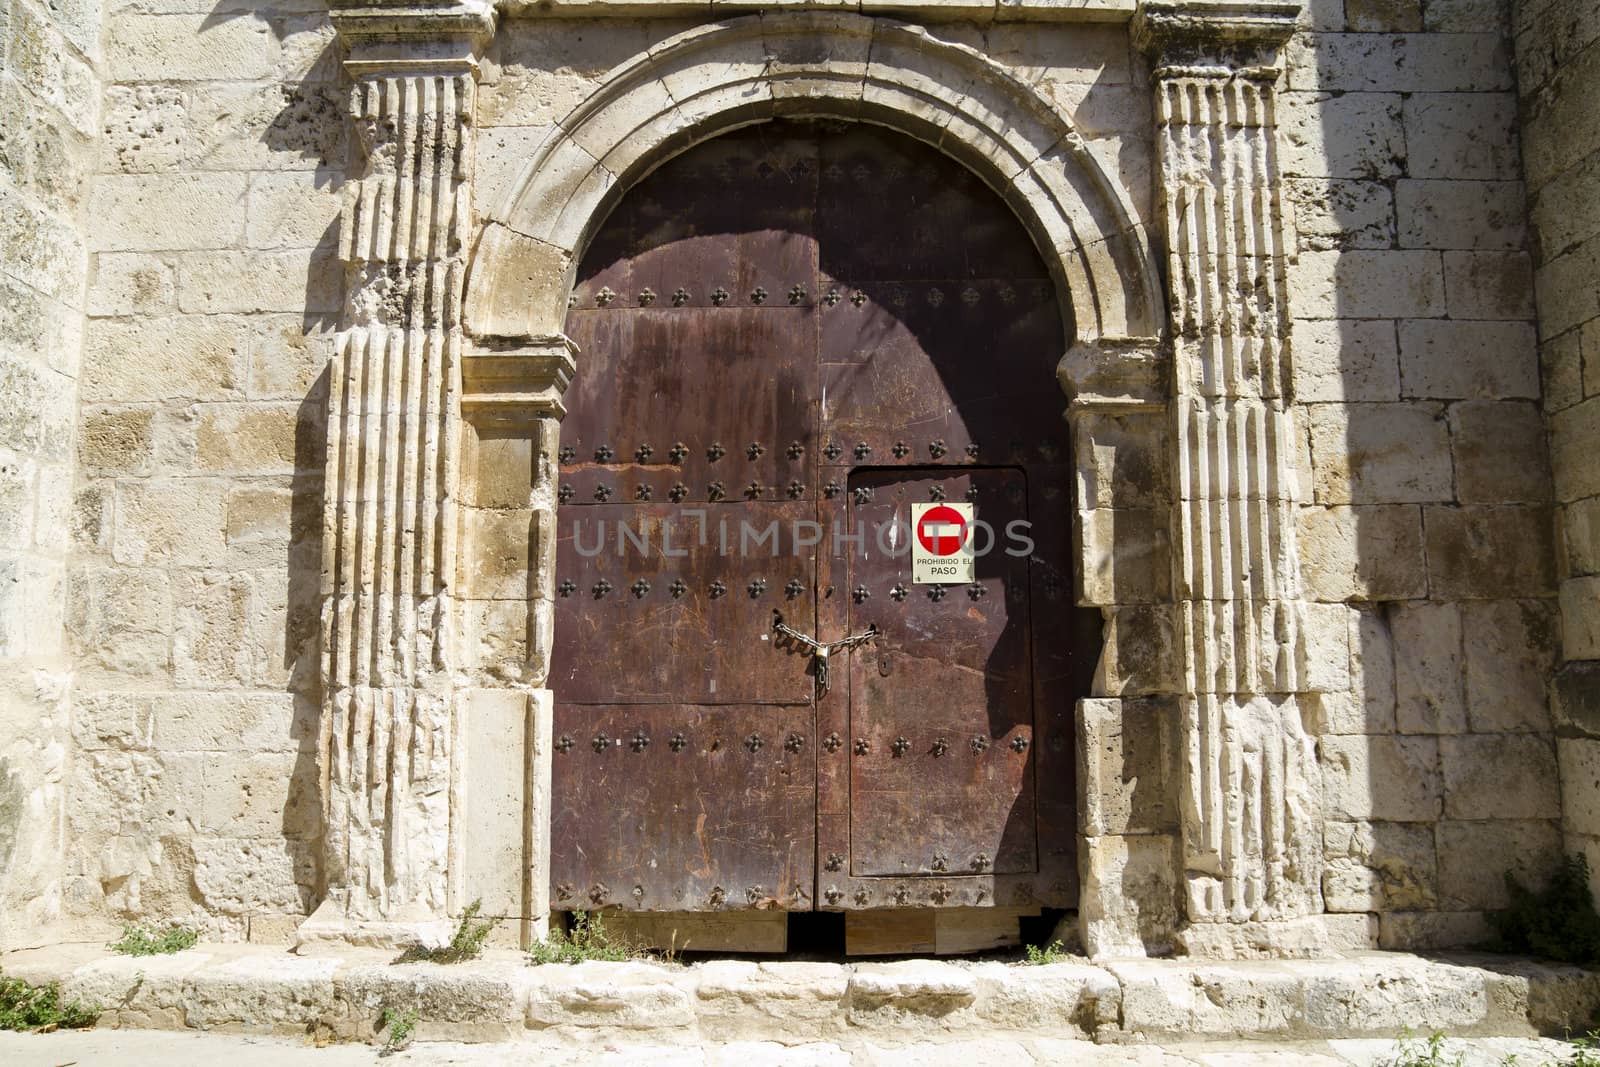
(822, 650)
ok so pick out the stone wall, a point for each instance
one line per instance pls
(1425, 526)
(1427, 493)
(197, 517)
(49, 100)
(1558, 77)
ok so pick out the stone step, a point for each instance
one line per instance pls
(339, 995)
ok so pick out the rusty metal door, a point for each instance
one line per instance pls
(787, 332)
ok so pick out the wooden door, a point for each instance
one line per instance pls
(784, 333)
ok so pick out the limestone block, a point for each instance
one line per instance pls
(1380, 453)
(1383, 16)
(1500, 452)
(1342, 213)
(260, 795)
(1338, 360)
(1325, 648)
(1460, 214)
(500, 561)
(1428, 668)
(143, 128)
(733, 994)
(1579, 759)
(1575, 700)
(1580, 618)
(483, 1003)
(1393, 779)
(120, 620)
(179, 47)
(237, 126)
(526, 294)
(1463, 136)
(1368, 284)
(308, 47)
(1578, 538)
(1475, 856)
(495, 783)
(143, 991)
(247, 439)
(292, 209)
(1467, 16)
(286, 358)
(40, 249)
(1500, 776)
(886, 992)
(210, 642)
(259, 516)
(102, 720)
(636, 995)
(1124, 556)
(1341, 996)
(1208, 999)
(1140, 653)
(1442, 359)
(536, 73)
(255, 281)
(35, 406)
(1489, 285)
(161, 359)
(224, 722)
(1572, 453)
(1342, 135)
(1489, 552)
(1510, 647)
(1129, 903)
(1412, 63)
(1047, 998)
(1128, 766)
(1563, 212)
(31, 607)
(131, 283)
(238, 876)
(1378, 866)
(1400, 931)
(159, 212)
(1566, 297)
(1121, 459)
(1561, 127)
(1362, 553)
(17, 480)
(276, 993)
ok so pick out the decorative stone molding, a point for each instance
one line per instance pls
(1250, 827)
(389, 734)
(727, 74)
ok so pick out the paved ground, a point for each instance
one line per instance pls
(132, 1048)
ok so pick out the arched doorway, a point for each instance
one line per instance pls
(790, 334)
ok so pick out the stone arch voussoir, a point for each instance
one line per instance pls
(756, 68)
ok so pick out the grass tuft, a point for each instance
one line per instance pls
(154, 940)
(1054, 952)
(465, 944)
(588, 939)
(39, 1008)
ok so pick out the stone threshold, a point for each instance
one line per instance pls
(338, 995)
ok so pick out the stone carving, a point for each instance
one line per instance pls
(388, 627)
(1250, 823)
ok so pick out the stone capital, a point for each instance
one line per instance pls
(1224, 34)
(512, 387)
(412, 36)
(1114, 374)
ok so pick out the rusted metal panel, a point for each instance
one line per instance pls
(683, 807)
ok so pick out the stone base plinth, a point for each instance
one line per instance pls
(340, 995)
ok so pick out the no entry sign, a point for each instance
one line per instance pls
(941, 548)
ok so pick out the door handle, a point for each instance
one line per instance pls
(822, 650)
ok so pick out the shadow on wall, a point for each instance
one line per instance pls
(1426, 507)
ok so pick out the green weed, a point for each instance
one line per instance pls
(153, 940)
(465, 944)
(39, 1008)
(587, 939)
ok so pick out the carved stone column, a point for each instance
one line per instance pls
(389, 731)
(1250, 827)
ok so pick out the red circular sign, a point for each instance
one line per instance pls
(942, 530)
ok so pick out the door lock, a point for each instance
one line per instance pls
(821, 650)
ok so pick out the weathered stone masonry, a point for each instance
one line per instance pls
(303, 603)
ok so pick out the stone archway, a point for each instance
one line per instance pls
(750, 70)
(476, 319)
